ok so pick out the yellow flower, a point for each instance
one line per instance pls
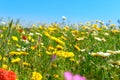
(112, 25)
(14, 53)
(56, 76)
(15, 60)
(68, 54)
(32, 40)
(1, 35)
(104, 27)
(29, 37)
(63, 53)
(66, 28)
(14, 38)
(116, 62)
(26, 64)
(50, 48)
(75, 32)
(54, 38)
(4, 58)
(17, 45)
(47, 34)
(72, 59)
(115, 31)
(41, 27)
(62, 37)
(4, 66)
(33, 47)
(94, 26)
(9, 42)
(24, 53)
(93, 54)
(49, 53)
(59, 47)
(54, 65)
(0, 57)
(57, 40)
(52, 28)
(84, 27)
(76, 47)
(18, 53)
(36, 76)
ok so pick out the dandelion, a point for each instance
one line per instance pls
(69, 76)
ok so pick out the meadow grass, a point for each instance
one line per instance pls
(91, 50)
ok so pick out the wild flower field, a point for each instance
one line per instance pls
(49, 52)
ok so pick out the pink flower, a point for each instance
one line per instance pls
(69, 76)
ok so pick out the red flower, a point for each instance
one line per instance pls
(24, 37)
(20, 30)
(7, 75)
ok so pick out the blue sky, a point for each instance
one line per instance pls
(52, 10)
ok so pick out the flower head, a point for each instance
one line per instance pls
(36, 76)
(7, 75)
(69, 76)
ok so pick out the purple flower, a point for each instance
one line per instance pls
(53, 57)
(69, 76)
